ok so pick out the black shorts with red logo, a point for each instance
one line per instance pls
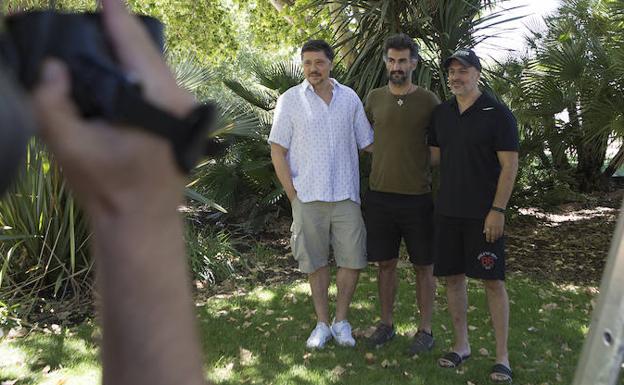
(460, 248)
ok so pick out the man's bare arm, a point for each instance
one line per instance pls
(495, 221)
(130, 186)
(509, 170)
(278, 157)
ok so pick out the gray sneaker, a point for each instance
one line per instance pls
(423, 342)
(381, 336)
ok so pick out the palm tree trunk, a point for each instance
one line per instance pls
(591, 150)
(556, 145)
(615, 163)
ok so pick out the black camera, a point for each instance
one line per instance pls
(100, 88)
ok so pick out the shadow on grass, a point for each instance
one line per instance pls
(33, 357)
(259, 337)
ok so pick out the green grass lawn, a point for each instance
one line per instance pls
(258, 335)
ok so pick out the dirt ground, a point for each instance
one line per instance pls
(565, 244)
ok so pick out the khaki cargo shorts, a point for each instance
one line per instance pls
(317, 224)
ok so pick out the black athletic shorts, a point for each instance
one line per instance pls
(390, 217)
(461, 248)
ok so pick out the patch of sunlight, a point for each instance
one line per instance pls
(571, 216)
(222, 374)
(575, 289)
(584, 329)
(363, 305)
(89, 377)
(301, 288)
(10, 356)
(264, 295)
(286, 359)
(79, 347)
(301, 374)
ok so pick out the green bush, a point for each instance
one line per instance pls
(211, 254)
(43, 244)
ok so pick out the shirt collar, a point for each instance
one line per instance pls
(482, 99)
(305, 85)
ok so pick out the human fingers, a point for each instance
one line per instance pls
(499, 233)
(58, 117)
(133, 46)
(139, 56)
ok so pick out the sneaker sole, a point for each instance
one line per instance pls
(318, 347)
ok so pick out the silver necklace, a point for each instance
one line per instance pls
(400, 98)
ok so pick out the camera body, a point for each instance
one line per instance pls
(100, 88)
(79, 40)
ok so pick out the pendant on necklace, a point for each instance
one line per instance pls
(400, 102)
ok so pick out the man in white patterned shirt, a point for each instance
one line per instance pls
(318, 127)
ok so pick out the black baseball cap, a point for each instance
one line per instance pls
(465, 56)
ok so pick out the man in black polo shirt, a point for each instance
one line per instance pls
(474, 139)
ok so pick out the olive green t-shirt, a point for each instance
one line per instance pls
(400, 153)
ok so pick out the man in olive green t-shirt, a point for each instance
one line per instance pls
(399, 204)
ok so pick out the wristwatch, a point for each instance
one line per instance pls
(498, 209)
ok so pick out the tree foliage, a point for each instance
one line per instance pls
(201, 29)
(440, 27)
(282, 24)
(575, 70)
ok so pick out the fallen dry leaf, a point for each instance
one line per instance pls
(337, 372)
(484, 352)
(363, 333)
(245, 356)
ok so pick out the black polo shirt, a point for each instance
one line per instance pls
(469, 167)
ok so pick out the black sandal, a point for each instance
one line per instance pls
(452, 360)
(501, 374)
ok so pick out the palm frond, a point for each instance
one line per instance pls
(258, 98)
(190, 75)
(279, 76)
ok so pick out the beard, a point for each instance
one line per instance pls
(398, 77)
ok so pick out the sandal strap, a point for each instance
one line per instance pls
(502, 370)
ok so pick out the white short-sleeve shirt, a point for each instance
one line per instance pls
(322, 141)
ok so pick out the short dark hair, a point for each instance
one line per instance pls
(400, 42)
(318, 46)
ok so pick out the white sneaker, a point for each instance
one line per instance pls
(342, 333)
(319, 336)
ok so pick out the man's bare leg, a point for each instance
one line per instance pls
(387, 286)
(425, 295)
(498, 303)
(319, 285)
(458, 307)
(346, 281)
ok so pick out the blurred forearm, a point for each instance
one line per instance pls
(150, 334)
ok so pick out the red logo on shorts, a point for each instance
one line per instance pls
(487, 259)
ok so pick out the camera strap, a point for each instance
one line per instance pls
(189, 137)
